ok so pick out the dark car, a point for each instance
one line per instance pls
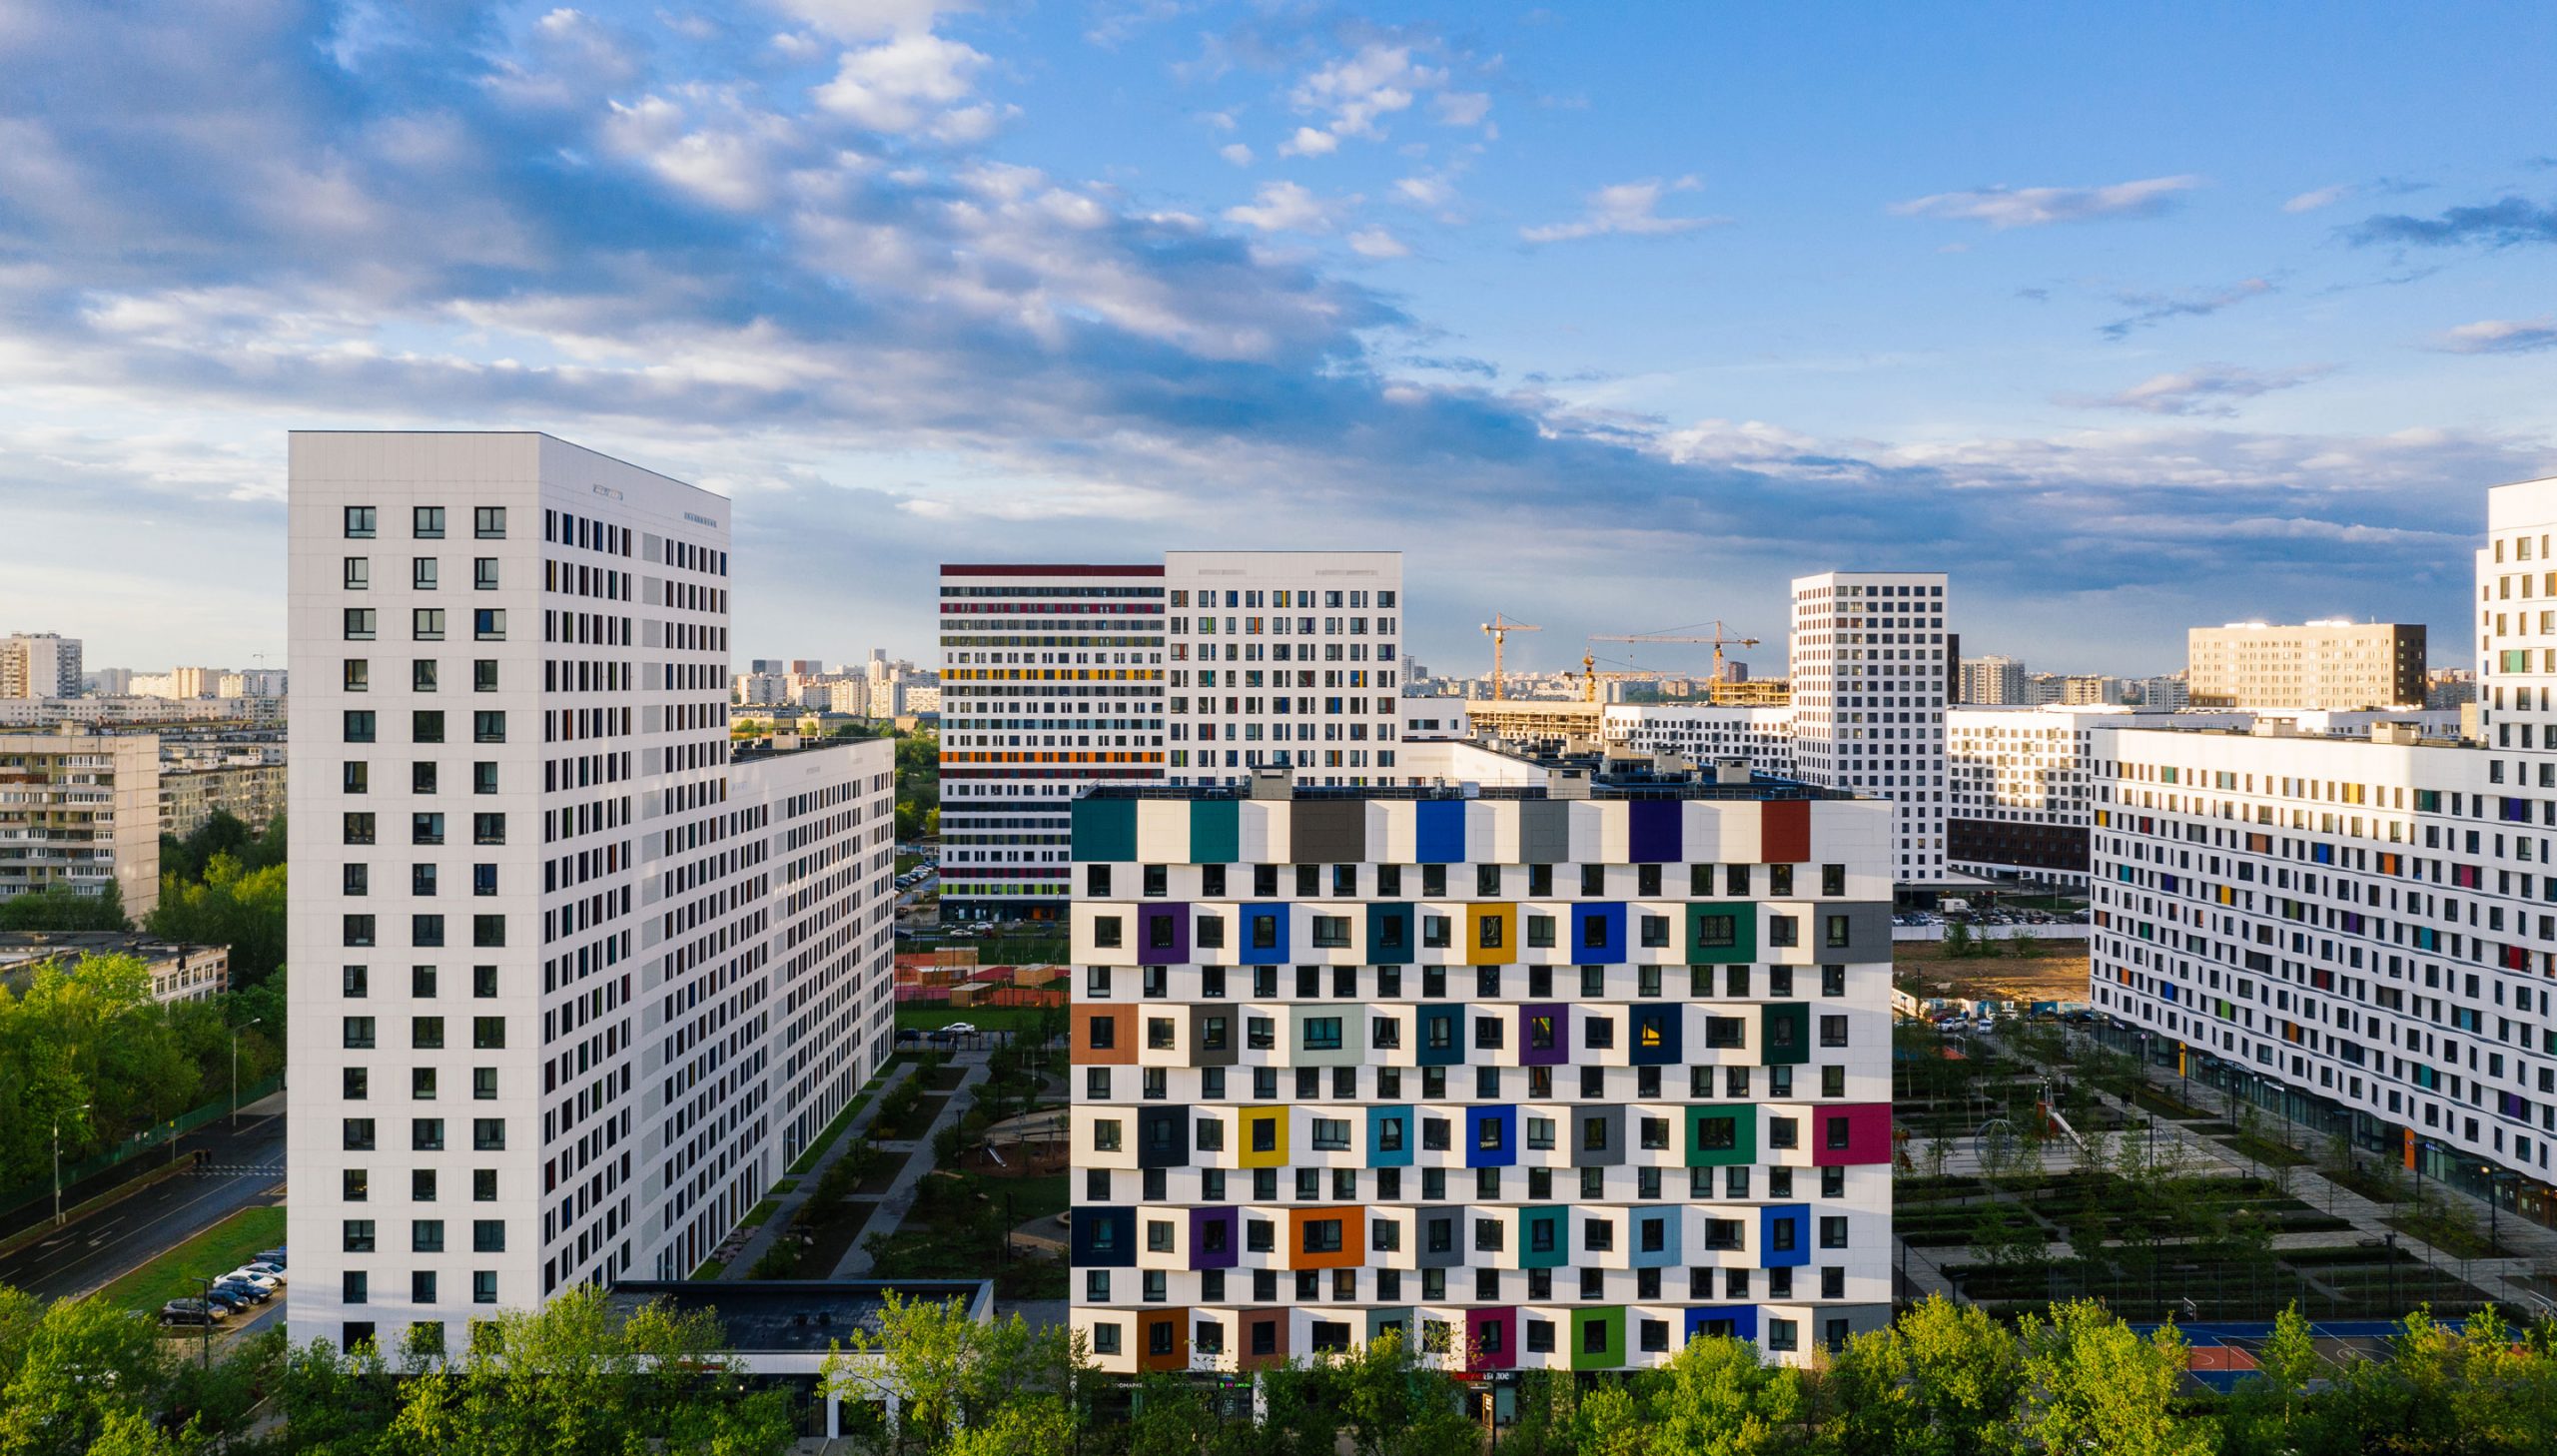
(186, 1311)
(242, 1293)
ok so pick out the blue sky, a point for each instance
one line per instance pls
(1612, 317)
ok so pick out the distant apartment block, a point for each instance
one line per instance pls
(81, 811)
(1993, 680)
(2320, 664)
(574, 978)
(1558, 1073)
(40, 665)
(250, 793)
(1870, 679)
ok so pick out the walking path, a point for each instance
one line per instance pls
(900, 1197)
(760, 1242)
(2503, 1280)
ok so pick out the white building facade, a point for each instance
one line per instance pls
(1540, 1081)
(544, 1032)
(1869, 686)
(2358, 931)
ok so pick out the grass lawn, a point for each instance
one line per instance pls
(711, 1269)
(843, 1120)
(217, 1250)
(756, 1215)
(1019, 1020)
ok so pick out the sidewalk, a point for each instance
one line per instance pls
(900, 1197)
(760, 1243)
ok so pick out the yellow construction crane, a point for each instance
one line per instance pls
(1590, 675)
(1720, 639)
(1499, 628)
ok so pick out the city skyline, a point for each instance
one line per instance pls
(1650, 314)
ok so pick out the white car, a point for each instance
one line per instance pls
(268, 1283)
(961, 1029)
(268, 1267)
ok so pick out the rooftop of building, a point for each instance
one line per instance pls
(22, 948)
(782, 745)
(799, 1316)
(1572, 769)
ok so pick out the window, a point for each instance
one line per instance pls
(1332, 1134)
(1783, 1133)
(1783, 930)
(1322, 1033)
(361, 624)
(1106, 931)
(355, 1235)
(483, 574)
(489, 1034)
(426, 726)
(1832, 981)
(1487, 932)
(1655, 931)
(425, 1235)
(357, 930)
(359, 522)
(426, 522)
(426, 1033)
(489, 522)
(1781, 1334)
(1209, 931)
(488, 624)
(488, 727)
(357, 1134)
(484, 1286)
(1331, 932)
(1833, 1030)
(1718, 1134)
(1833, 931)
(425, 829)
(355, 777)
(1836, 1132)
(488, 1235)
(1265, 932)
(489, 1134)
(1434, 931)
(422, 574)
(1718, 932)
(1833, 1233)
(1833, 880)
(356, 1034)
(422, 674)
(427, 624)
(1540, 932)
(488, 827)
(488, 930)
(357, 573)
(359, 725)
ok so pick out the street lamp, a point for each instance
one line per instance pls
(57, 1163)
(235, 1064)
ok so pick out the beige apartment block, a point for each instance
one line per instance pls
(81, 809)
(2320, 664)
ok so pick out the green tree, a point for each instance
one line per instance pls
(65, 909)
(1392, 1404)
(2091, 1384)
(2265, 1413)
(1944, 1382)
(232, 905)
(84, 1365)
(1716, 1397)
(945, 1370)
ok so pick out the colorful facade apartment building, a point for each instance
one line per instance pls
(1540, 1075)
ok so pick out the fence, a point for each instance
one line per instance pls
(137, 1145)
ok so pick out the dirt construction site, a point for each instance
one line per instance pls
(2047, 971)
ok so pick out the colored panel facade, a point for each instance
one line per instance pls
(1458, 1094)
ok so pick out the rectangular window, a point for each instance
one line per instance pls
(483, 574)
(489, 522)
(486, 727)
(426, 726)
(426, 522)
(359, 725)
(422, 574)
(425, 625)
(488, 624)
(359, 522)
(361, 624)
(357, 573)
(1717, 932)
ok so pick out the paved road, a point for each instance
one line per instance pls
(242, 1169)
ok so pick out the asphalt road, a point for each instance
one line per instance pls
(243, 1167)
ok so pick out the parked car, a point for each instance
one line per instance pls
(961, 1029)
(241, 1293)
(273, 1257)
(268, 1283)
(186, 1311)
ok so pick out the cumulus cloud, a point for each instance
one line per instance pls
(1284, 206)
(853, 20)
(914, 83)
(2032, 207)
(1235, 153)
(1309, 141)
(1462, 108)
(1627, 208)
(1377, 243)
(2500, 335)
(2505, 223)
(2207, 389)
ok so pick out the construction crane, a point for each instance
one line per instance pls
(1499, 628)
(1720, 639)
(1590, 675)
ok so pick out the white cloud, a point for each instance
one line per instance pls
(913, 83)
(1310, 143)
(2500, 335)
(1630, 208)
(1357, 90)
(1463, 108)
(728, 163)
(2309, 202)
(870, 19)
(2029, 207)
(2205, 389)
(1284, 206)
(1237, 152)
(1377, 243)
